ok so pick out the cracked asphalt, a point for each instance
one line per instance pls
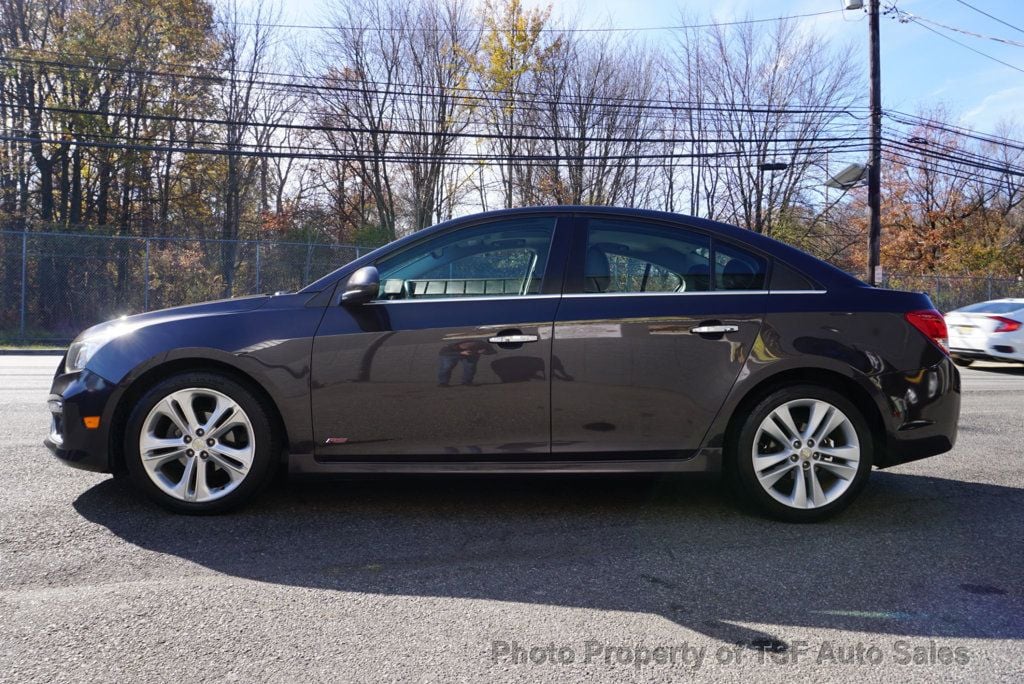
(522, 579)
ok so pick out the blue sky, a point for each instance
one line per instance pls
(919, 68)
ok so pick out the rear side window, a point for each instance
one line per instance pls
(738, 269)
(632, 256)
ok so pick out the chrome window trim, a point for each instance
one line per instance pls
(578, 295)
(499, 298)
(797, 292)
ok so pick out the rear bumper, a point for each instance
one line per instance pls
(992, 354)
(922, 409)
(74, 396)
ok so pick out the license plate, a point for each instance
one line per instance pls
(964, 329)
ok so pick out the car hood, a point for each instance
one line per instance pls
(221, 306)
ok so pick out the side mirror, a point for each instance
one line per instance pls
(362, 287)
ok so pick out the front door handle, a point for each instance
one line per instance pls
(512, 339)
(714, 329)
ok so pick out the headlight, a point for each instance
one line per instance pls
(88, 343)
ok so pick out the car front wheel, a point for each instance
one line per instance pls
(200, 443)
(802, 454)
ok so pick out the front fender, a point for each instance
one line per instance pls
(271, 344)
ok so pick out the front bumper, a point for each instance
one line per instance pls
(922, 409)
(73, 397)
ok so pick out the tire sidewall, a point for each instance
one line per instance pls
(742, 447)
(263, 456)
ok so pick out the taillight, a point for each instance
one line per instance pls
(1005, 324)
(932, 325)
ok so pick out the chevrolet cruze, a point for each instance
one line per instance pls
(541, 340)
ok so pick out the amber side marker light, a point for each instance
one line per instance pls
(91, 422)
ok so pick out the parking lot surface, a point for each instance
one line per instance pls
(528, 579)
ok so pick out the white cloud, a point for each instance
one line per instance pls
(1000, 105)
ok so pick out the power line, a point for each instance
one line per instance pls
(905, 160)
(990, 16)
(619, 29)
(394, 89)
(979, 169)
(490, 158)
(962, 44)
(914, 17)
(325, 128)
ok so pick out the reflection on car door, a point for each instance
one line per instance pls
(453, 358)
(655, 324)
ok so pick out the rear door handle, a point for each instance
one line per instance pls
(714, 329)
(512, 339)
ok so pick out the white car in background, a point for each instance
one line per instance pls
(992, 330)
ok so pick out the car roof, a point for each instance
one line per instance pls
(821, 271)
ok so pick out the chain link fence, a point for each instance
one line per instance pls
(950, 292)
(53, 285)
(56, 284)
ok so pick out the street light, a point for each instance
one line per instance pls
(850, 177)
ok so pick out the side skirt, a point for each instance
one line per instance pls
(704, 461)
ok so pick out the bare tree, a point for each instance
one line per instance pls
(247, 38)
(595, 101)
(766, 97)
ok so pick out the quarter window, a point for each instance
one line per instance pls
(504, 258)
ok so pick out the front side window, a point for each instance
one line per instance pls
(500, 259)
(624, 256)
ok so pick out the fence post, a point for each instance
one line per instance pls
(258, 290)
(145, 291)
(358, 252)
(989, 286)
(24, 279)
(309, 258)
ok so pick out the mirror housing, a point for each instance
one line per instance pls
(362, 287)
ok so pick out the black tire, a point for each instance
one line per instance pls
(741, 444)
(961, 361)
(265, 454)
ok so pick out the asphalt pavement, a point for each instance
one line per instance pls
(523, 579)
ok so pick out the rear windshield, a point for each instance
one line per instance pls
(992, 307)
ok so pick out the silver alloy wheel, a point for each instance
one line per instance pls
(197, 444)
(806, 453)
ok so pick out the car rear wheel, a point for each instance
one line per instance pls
(200, 443)
(802, 454)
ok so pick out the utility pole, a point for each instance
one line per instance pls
(875, 163)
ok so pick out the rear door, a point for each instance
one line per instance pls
(655, 324)
(452, 359)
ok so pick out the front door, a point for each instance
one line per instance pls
(452, 359)
(655, 324)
